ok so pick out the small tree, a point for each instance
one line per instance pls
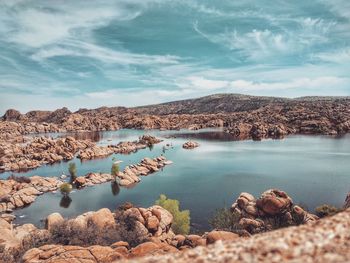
(72, 170)
(66, 188)
(115, 169)
(181, 220)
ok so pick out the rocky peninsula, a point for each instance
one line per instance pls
(17, 192)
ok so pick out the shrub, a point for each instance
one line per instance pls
(224, 219)
(181, 221)
(72, 170)
(66, 188)
(115, 169)
(326, 210)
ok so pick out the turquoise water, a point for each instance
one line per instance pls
(313, 170)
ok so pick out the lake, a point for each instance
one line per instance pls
(313, 170)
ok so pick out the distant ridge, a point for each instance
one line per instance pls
(216, 103)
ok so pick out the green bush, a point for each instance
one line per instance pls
(326, 210)
(72, 170)
(66, 188)
(224, 219)
(115, 169)
(181, 221)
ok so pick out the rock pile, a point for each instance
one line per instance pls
(131, 173)
(258, 131)
(39, 151)
(324, 241)
(190, 145)
(16, 194)
(144, 231)
(274, 209)
(122, 148)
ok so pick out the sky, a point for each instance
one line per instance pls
(86, 54)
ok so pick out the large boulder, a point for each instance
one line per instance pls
(102, 218)
(274, 202)
(274, 209)
(52, 220)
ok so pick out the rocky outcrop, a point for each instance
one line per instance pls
(121, 148)
(16, 194)
(131, 173)
(274, 209)
(244, 116)
(148, 231)
(325, 241)
(190, 145)
(39, 151)
(31, 153)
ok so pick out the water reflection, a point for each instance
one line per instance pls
(65, 201)
(115, 188)
(209, 136)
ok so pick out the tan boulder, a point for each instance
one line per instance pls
(214, 236)
(52, 220)
(102, 218)
(152, 223)
(144, 249)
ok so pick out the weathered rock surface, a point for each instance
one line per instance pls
(244, 116)
(190, 145)
(131, 173)
(122, 148)
(39, 151)
(274, 209)
(324, 241)
(14, 194)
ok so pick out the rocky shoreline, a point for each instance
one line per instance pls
(244, 116)
(37, 151)
(134, 232)
(16, 194)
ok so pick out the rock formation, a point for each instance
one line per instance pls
(122, 148)
(37, 151)
(131, 173)
(16, 194)
(190, 145)
(244, 116)
(324, 241)
(19, 192)
(274, 209)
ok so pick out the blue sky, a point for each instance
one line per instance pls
(134, 52)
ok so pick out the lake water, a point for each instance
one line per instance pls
(313, 170)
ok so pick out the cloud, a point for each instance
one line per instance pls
(301, 83)
(82, 49)
(341, 56)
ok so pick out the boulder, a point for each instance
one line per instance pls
(190, 145)
(214, 236)
(274, 202)
(102, 218)
(52, 220)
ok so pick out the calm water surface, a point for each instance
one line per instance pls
(313, 170)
